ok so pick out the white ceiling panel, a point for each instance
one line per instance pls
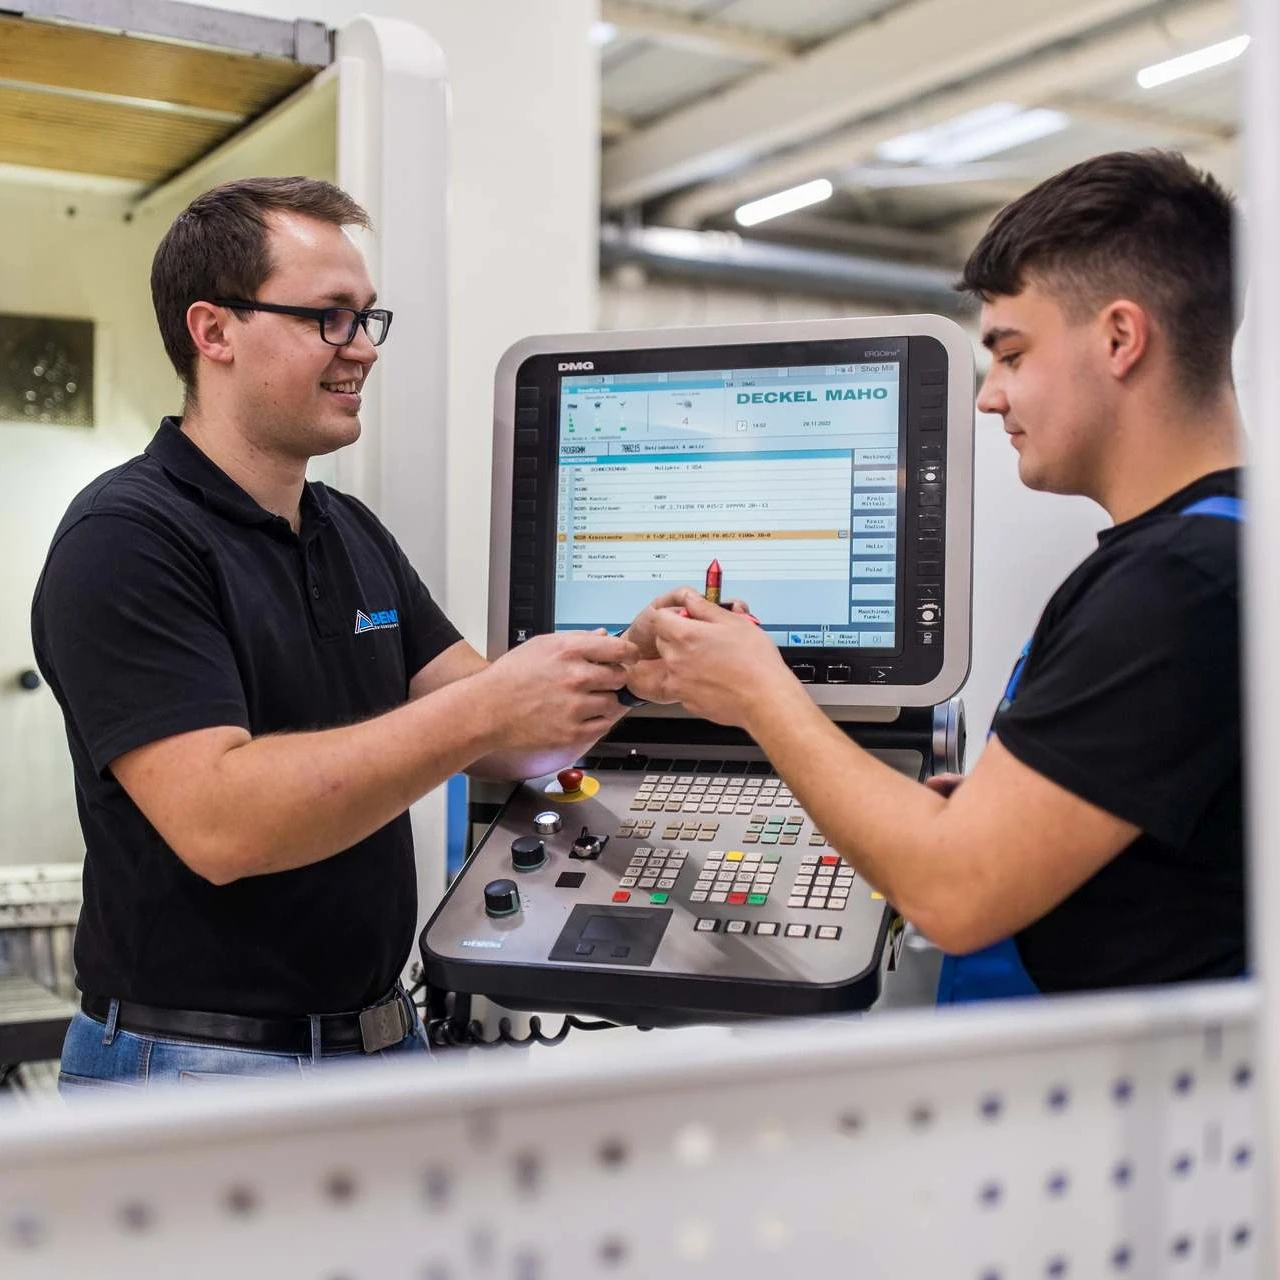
(802, 20)
(652, 79)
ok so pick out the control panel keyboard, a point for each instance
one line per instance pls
(707, 890)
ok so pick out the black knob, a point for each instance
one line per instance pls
(28, 680)
(501, 898)
(528, 853)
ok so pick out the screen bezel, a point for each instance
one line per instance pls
(873, 696)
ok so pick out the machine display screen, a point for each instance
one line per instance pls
(789, 477)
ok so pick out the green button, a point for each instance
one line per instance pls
(769, 837)
(658, 899)
(772, 857)
(757, 899)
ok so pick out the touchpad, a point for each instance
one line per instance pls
(611, 935)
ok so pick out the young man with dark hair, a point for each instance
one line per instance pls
(1099, 840)
(257, 685)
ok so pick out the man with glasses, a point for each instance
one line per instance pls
(257, 685)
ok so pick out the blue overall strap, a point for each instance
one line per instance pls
(1226, 507)
(997, 972)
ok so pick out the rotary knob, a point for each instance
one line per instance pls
(528, 853)
(547, 824)
(501, 898)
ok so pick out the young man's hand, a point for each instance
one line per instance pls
(641, 631)
(717, 662)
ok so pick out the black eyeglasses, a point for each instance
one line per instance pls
(337, 324)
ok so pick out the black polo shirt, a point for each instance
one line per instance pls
(171, 601)
(1130, 699)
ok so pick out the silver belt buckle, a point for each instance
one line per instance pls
(383, 1025)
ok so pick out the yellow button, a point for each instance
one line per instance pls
(734, 855)
(876, 897)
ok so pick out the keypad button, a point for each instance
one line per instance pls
(797, 931)
(719, 896)
(767, 929)
(697, 896)
(829, 932)
(707, 925)
(796, 901)
(735, 926)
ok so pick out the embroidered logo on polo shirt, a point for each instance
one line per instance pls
(381, 620)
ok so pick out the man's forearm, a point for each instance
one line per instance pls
(516, 766)
(885, 824)
(285, 801)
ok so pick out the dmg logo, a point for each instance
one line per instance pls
(382, 620)
(576, 366)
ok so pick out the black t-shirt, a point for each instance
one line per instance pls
(1130, 699)
(171, 601)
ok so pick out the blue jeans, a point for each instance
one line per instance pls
(99, 1056)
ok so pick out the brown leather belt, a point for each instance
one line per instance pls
(379, 1026)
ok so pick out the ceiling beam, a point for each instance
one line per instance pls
(613, 124)
(697, 35)
(878, 65)
(1030, 81)
(1157, 121)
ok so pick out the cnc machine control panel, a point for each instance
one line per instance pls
(659, 888)
(827, 468)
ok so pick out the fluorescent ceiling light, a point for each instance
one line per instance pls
(1189, 63)
(788, 201)
(997, 127)
(602, 33)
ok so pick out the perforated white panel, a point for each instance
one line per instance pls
(1105, 1137)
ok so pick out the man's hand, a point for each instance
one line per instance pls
(556, 691)
(717, 662)
(944, 784)
(641, 632)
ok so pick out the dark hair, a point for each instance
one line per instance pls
(1144, 225)
(217, 247)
